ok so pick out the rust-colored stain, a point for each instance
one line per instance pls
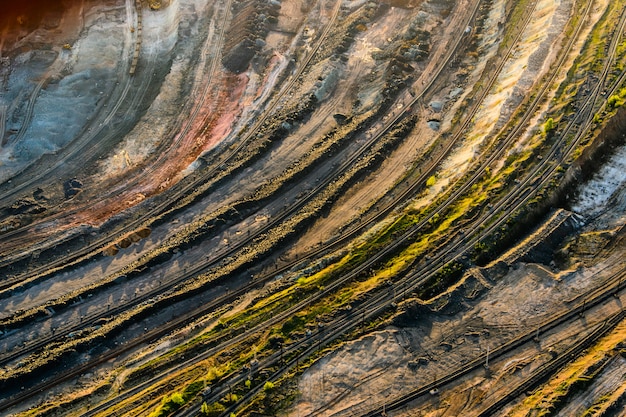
(31, 13)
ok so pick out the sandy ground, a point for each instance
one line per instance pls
(525, 65)
(607, 382)
(360, 197)
(350, 378)
(348, 381)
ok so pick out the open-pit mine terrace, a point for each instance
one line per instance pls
(313, 208)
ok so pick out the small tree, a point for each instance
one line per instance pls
(269, 386)
(204, 409)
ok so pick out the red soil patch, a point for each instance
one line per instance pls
(211, 125)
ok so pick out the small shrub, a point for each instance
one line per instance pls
(615, 101)
(213, 410)
(293, 323)
(177, 398)
(231, 398)
(548, 126)
(169, 404)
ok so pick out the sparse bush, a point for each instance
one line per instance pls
(615, 101)
(597, 119)
(212, 410)
(169, 404)
(177, 399)
(443, 279)
(231, 398)
(548, 126)
(293, 323)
